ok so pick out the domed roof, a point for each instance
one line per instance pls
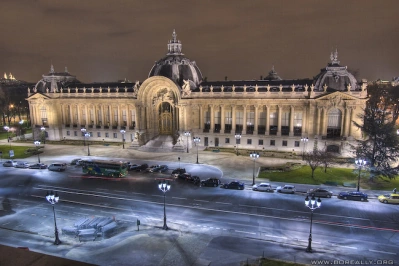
(272, 75)
(335, 77)
(54, 81)
(176, 66)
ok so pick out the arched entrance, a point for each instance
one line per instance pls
(165, 119)
(334, 124)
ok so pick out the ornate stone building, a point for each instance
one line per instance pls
(271, 113)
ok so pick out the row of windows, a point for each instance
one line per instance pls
(107, 135)
(260, 142)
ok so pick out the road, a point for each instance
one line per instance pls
(207, 225)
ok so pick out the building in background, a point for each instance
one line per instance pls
(271, 113)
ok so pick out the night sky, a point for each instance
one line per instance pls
(111, 40)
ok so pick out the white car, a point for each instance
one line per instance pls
(263, 187)
(9, 163)
(22, 165)
(286, 189)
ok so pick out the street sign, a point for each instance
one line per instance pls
(11, 152)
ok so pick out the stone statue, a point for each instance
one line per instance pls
(186, 90)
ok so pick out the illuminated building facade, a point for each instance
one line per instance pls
(270, 113)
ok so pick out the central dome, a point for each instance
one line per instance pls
(176, 66)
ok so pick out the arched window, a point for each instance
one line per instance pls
(43, 114)
(334, 123)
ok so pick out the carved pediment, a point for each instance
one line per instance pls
(38, 97)
(336, 99)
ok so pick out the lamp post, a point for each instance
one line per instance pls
(238, 137)
(254, 155)
(304, 140)
(37, 144)
(87, 135)
(8, 131)
(43, 130)
(123, 138)
(360, 163)
(197, 140)
(187, 134)
(84, 135)
(312, 205)
(53, 199)
(164, 187)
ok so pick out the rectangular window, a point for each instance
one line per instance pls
(228, 117)
(115, 135)
(133, 119)
(207, 125)
(43, 113)
(107, 115)
(273, 119)
(262, 119)
(284, 143)
(99, 134)
(227, 140)
(68, 133)
(124, 118)
(249, 141)
(107, 135)
(285, 119)
(251, 117)
(115, 117)
(272, 142)
(99, 117)
(68, 115)
(296, 143)
(260, 142)
(75, 115)
(83, 117)
(91, 134)
(75, 133)
(217, 121)
(239, 117)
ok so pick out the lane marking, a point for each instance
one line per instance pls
(223, 203)
(201, 200)
(245, 232)
(343, 246)
(384, 252)
(179, 198)
(120, 191)
(283, 237)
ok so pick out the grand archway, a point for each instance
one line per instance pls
(165, 119)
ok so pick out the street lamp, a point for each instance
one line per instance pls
(254, 155)
(84, 135)
(197, 140)
(304, 140)
(360, 163)
(187, 134)
(87, 135)
(312, 205)
(53, 199)
(164, 187)
(238, 137)
(37, 144)
(123, 138)
(43, 129)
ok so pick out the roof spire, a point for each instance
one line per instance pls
(52, 68)
(334, 57)
(174, 45)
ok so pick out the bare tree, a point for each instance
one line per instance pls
(313, 158)
(326, 158)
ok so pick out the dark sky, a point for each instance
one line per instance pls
(110, 40)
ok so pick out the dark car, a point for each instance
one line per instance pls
(189, 178)
(133, 166)
(178, 171)
(75, 161)
(184, 176)
(234, 185)
(153, 168)
(210, 182)
(353, 195)
(38, 166)
(142, 167)
(320, 192)
(161, 168)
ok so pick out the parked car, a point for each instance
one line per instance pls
(22, 165)
(38, 166)
(389, 198)
(57, 167)
(152, 168)
(133, 166)
(320, 192)
(263, 187)
(353, 195)
(234, 185)
(286, 189)
(75, 161)
(184, 176)
(161, 168)
(10, 163)
(142, 167)
(210, 182)
(178, 171)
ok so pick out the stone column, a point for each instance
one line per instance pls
(71, 114)
(267, 131)
(318, 121)
(212, 116)
(279, 120)
(304, 120)
(347, 122)
(244, 120)
(256, 120)
(324, 124)
(292, 121)
(350, 121)
(233, 118)
(201, 117)
(222, 119)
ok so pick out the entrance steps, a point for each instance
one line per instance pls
(162, 143)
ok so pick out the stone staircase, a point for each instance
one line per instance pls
(162, 143)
